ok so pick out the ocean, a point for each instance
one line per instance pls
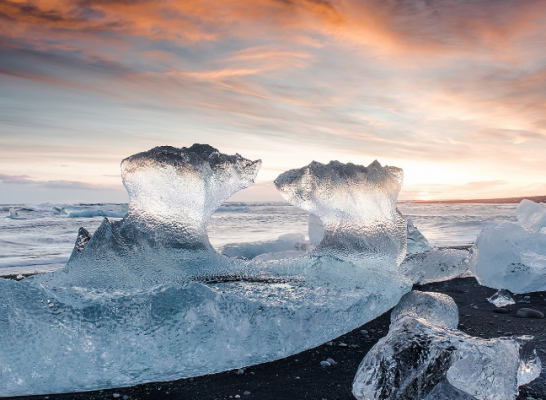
(40, 238)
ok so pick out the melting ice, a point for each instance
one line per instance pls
(513, 256)
(147, 298)
(425, 357)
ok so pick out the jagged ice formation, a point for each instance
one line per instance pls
(147, 298)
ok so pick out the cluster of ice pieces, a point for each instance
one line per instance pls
(287, 245)
(147, 298)
(513, 256)
(425, 357)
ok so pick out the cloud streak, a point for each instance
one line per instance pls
(450, 89)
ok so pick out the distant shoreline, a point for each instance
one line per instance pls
(506, 200)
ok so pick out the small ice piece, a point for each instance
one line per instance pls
(81, 241)
(435, 308)
(13, 213)
(510, 257)
(293, 242)
(56, 210)
(419, 359)
(417, 243)
(82, 212)
(501, 299)
(356, 205)
(531, 216)
(436, 265)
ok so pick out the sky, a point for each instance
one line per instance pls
(452, 91)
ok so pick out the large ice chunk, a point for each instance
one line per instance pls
(421, 358)
(147, 298)
(531, 216)
(356, 205)
(287, 242)
(436, 265)
(511, 257)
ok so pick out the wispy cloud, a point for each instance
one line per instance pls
(449, 89)
(59, 184)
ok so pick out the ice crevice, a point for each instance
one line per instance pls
(147, 298)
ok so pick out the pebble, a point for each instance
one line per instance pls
(297, 377)
(331, 361)
(116, 395)
(501, 311)
(325, 364)
(237, 396)
(240, 371)
(329, 343)
(529, 313)
(341, 344)
(246, 393)
(364, 332)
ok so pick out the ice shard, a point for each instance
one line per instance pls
(417, 243)
(147, 298)
(501, 299)
(425, 357)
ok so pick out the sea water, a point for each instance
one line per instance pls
(40, 239)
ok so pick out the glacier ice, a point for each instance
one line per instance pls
(501, 299)
(293, 242)
(510, 257)
(424, 357)
(436, 265)
(147, 298)
(531, 216)
(417, 243)
(356, 205)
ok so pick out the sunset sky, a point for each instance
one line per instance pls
(452, 91)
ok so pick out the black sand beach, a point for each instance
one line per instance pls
(301, 376)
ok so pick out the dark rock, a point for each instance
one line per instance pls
(501, 311)
(529, 313)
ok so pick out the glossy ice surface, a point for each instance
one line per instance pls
(147, 298)
(425, 357)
